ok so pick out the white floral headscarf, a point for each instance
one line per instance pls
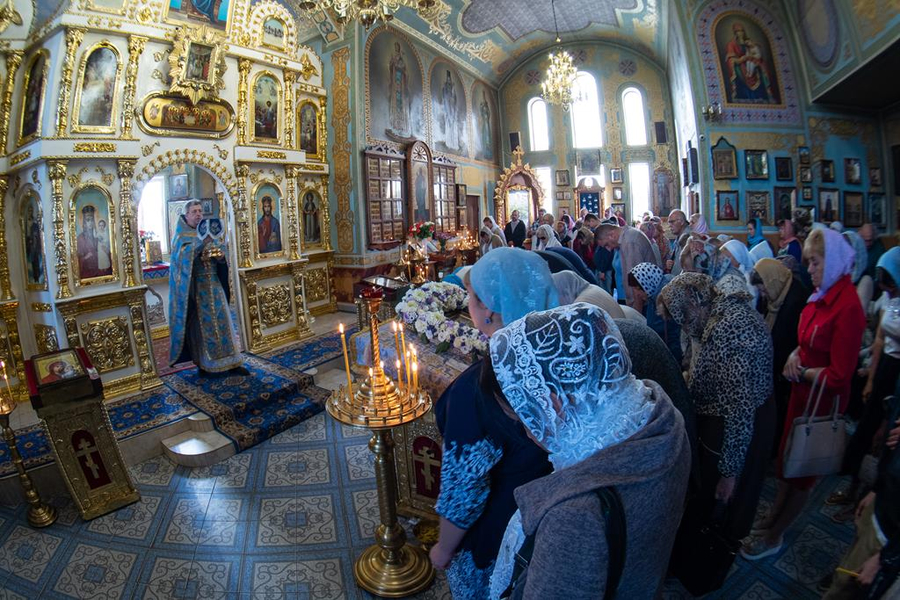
(567, 375)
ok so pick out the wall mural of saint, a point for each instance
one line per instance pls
(746, 61)
(309, 128)
(484, 114)
(311, 229)
(30, 124)
(93, 238)
(268, 223)
(395, 89)
(448, 110)
(96, 106)
(266, 99)
(209, 12)
(33, 238)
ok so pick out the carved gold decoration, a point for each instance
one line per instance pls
(293, 226)
(242, 217)
(57, 174)
(822, 129)
(211, 119)
(180, 156)
(223, 153)
(29, 200)
(108, 343)
(184, 78)
(11, 349)
(145, 15)
(22, 140)
(244, 65)
(76, 113)
(269, 9)
(16, 159)
(290, 77)
(252, 284)
(45, 338)
(41, 307)
(340, 121)
(147, 150)
(74, 179)
(516, 169)
(279, 117)
(271, 154)
(262, 176)
(275, 304)
(9, 16)
(13, 61)
(74, 36)
(106, 178)
(307, 68)
(317, 284)
(136, 44)
(122, 386)
(303, 329)
(325, 234)
(313, 167)
(73, 216)
(136, 305)
(5, 283)
(129, 221)
(93, 147)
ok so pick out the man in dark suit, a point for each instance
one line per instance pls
(515, 230)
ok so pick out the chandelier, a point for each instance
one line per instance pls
(366, 12)
(557, 87)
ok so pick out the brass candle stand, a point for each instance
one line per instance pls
(39, 514)
(391, 567)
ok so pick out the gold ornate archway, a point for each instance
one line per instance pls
(517, 176)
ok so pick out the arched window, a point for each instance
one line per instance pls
(587, 129)
(633, 111)
(152, 211)
(545, 176)
(639, 183)
(538, 130)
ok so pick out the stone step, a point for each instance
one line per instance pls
(201, 422)
(198, 448)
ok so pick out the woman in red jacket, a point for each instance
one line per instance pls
(830, 334)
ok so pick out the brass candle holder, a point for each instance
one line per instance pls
(39, 514)
(391, 567)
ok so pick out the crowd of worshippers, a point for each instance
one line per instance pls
(640, 384)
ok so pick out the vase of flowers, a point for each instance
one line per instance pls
(443, 237)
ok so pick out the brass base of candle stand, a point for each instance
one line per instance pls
(412, 574)
(39, 514)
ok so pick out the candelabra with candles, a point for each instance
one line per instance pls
(39, 514)
(391, 567)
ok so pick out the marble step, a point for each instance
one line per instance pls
(198, 448)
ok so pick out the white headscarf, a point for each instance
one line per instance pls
(760, 251)
(549, 234)
(495, 229)
(740, 253)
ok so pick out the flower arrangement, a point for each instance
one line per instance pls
(443, 237)
(424, 309)
(422, 230)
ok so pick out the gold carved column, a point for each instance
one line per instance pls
(242, 110)
(57, 172)
(13, 61)
(326, 217)
(242, 216)
(289, 78)
(297, 275)
(126, 211)
(135, 300)
(5, 283)
(74, 36)
(13, 348)
(136, 45)
(294, 226)
(340, 121)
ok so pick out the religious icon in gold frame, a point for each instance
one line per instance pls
(197, 64)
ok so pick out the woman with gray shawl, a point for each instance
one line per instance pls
(566, 376)
(491, 224)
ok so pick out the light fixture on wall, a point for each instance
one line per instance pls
(557, 87)
(712, 112)
(366, 12)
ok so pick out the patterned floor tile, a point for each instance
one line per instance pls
(93, 572)
(227, 507)
(311, 430)
(360, 462)
(302, 467)
(66, 512)
(284, 523)
(354, 432)
(27, 553)
(220, 536)
(136, 522)
(160, 568)
(811, 556)
(157, 471)
(215, 576)
(283, 577)
(184, 522)
(760, 591)
(8, 594)
(365, 507)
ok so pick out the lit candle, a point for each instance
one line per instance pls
(396, 342)
(346, 360)
(415, 370)
(399, 375)
(403, 344)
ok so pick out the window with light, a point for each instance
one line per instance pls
(538, 126)
(587, 127)
(633, 112)
(152, 211)
(639, 184)
(544, 175)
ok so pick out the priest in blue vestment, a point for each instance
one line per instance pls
(199, 315)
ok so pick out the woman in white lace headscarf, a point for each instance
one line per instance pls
(491, 224)
(546, 238)
(566, 375)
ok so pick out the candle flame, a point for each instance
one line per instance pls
(341, 328)
(394, 325)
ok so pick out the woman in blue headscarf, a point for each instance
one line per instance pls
(755, 232)
(486, 454)
(865, 286)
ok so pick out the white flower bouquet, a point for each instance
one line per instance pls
(424, 310)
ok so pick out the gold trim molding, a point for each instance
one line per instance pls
(74, 36)
(41, 307)
(13, 62)
(108, 343)
(45, 338)
(93, 147)
(340, 121)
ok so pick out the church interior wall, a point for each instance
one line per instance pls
(782, 122)
(614, 68)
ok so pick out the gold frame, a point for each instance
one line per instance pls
(253, 226)
(21, 141)
(89, 5)
(40, 216)
(197, 89)
(184, 23)
(76, 107)
(322, 199)
(279, 117)
(181, 133)
(321, 127)
(262, 34)
(73, 237)
(515, 168)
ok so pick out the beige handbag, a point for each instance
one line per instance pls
(815, 445)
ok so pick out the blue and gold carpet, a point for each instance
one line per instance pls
(309, 353)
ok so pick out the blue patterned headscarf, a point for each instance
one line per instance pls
(513, 282)
(757, 237)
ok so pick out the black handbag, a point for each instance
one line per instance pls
(613, 525)
(703, 553)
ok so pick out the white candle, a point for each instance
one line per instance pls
(346, 360)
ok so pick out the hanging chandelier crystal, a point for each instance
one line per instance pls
(367, 12)
(557, 87)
